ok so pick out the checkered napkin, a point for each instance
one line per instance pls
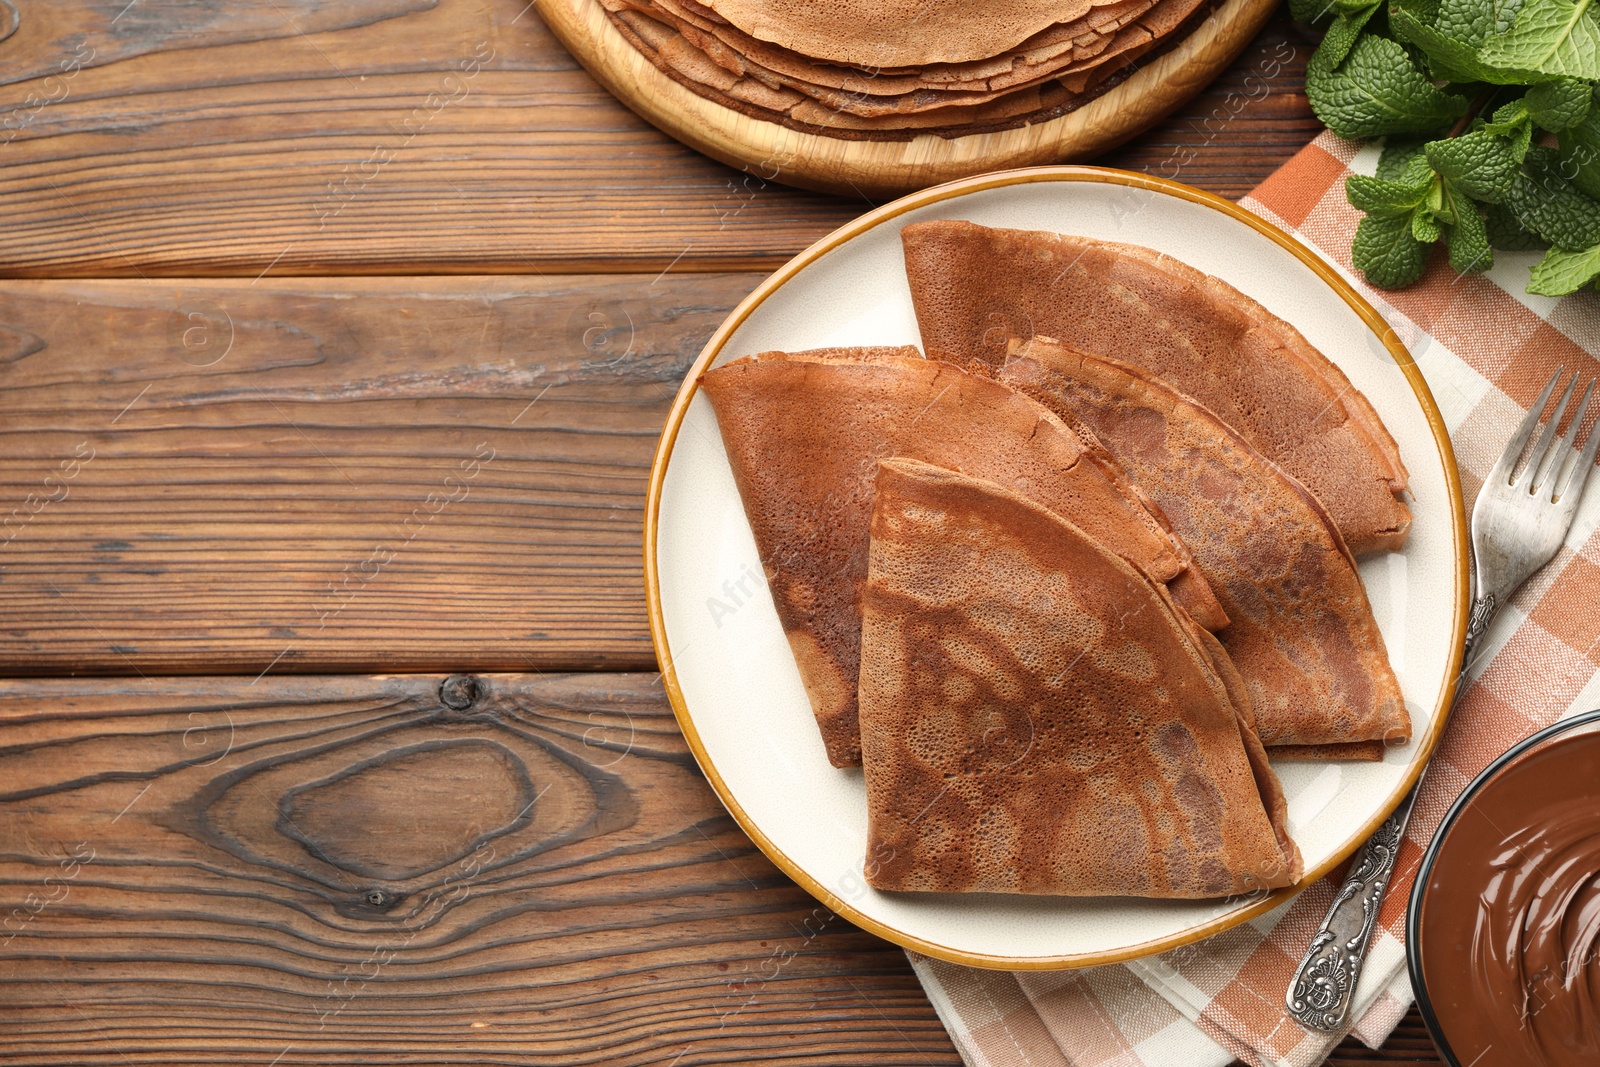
(1486, 348)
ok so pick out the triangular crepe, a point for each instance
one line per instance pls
(1037, 717)
(804, 433)
(1239, 696)
(975, 288)
(1300, 631)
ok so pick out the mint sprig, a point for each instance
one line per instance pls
(1491, 123)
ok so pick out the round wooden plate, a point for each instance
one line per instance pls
(890, 168)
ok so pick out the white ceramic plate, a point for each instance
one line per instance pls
(733, 682)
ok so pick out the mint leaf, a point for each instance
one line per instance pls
(1580, 154)
(1423, 12)
(1558, 38)
(1448, 59)
(1405, 22)
(1425, 227)
(1507, 117)
(1480, 163)
(1559, 104)
(1506, 233)
(1560, 273)
(1342, 35)
(1513, 121)
(1402, 161)
(1378, 90)
(1545, 202)
(1310, 12)
(1386, 253)
(1472, 22)
(1377, 196)
(1449, 34)
(1469, 239)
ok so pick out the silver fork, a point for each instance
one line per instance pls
(1521, 517)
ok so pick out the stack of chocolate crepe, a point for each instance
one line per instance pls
(1077, 572)
(893, 68)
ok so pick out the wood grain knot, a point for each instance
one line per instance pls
(399, 816)
(380, 899)
(16, 344)
(460, 692)
(412, 810)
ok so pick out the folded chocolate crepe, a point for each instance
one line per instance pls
(804, 433)
(1038, 717)
(976, 288)
(1239, 695)
(1301, 631)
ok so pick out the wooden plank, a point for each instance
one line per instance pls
(399, 136)
(338, 870)
(1409, 1043)
(500, 869)
(336, 475)
(1246, 125)
(192, 868)
(402, 137)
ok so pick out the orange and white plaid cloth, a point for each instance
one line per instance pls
(1486, 348)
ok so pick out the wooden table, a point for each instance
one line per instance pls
(335, 340)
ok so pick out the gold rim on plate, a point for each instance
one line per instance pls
(1358, 304)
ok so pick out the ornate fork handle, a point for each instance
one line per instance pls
(1324, 985)
(1483, 610)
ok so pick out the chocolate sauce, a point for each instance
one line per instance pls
(1509, 931)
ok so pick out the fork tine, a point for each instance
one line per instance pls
(1541, 451)
(1508, 459)
(1579, 474)
(1565, 450)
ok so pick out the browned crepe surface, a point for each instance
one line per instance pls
(976, 288)
(1083, 497)
(804, 433)
(1363, 751)
(1301, 630)
(1056, 46)
(1267, 784)
(1035, 718)
(896, 33)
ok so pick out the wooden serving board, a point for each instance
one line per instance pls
(889, 168)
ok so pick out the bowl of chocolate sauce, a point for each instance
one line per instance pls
(1503, 931)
